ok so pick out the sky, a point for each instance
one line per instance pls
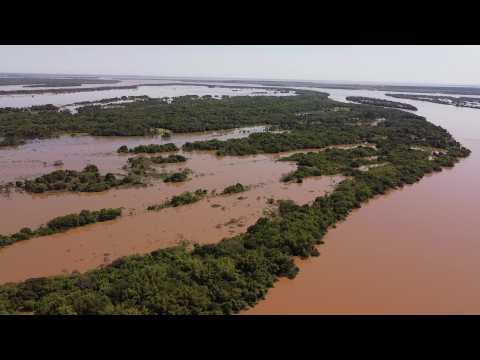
(425, 64)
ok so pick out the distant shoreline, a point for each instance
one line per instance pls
(127, 87)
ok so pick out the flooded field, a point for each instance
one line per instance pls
(24, 100)
(139, 231)
(38, 157)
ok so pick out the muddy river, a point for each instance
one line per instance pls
(138, 231)
(415, 250)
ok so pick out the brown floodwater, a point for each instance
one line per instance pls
(37, 157)
(413, 251)
(138, 231)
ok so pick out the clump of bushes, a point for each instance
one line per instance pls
(142, 165)
(87, 180)
(170, 159)
(11, 141)
(233, 189)
(177, 176)
(149, 149)
(61, 224)
(122, 149)
(182, 199)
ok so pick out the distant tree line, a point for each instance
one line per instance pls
(381, 102)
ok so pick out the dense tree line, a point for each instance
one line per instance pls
(381, 102)
(182, 114)
(184, 198)
(387, 128)
(308, 110)
(61, 224)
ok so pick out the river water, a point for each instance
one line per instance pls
(169, 91)
(413, 251)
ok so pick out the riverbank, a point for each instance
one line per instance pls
(413, 251)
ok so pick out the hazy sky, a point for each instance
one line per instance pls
(416, 64)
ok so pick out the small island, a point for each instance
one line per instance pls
(461, 101)
(62, 224)
(184, 198)
(87, 180)
(234, 189)
(381, 102)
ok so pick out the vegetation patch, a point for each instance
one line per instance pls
(87, 180)
(182, 199)
(170, 159)
(143, 166)
(462, 101)
(234, 189)
(329, 162)
(61, 224)
(177, 176)
(11, 141)
(381, 102)
(149, 149)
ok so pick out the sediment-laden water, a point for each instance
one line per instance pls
(413, 251)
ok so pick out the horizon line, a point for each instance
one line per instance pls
(193, 77)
